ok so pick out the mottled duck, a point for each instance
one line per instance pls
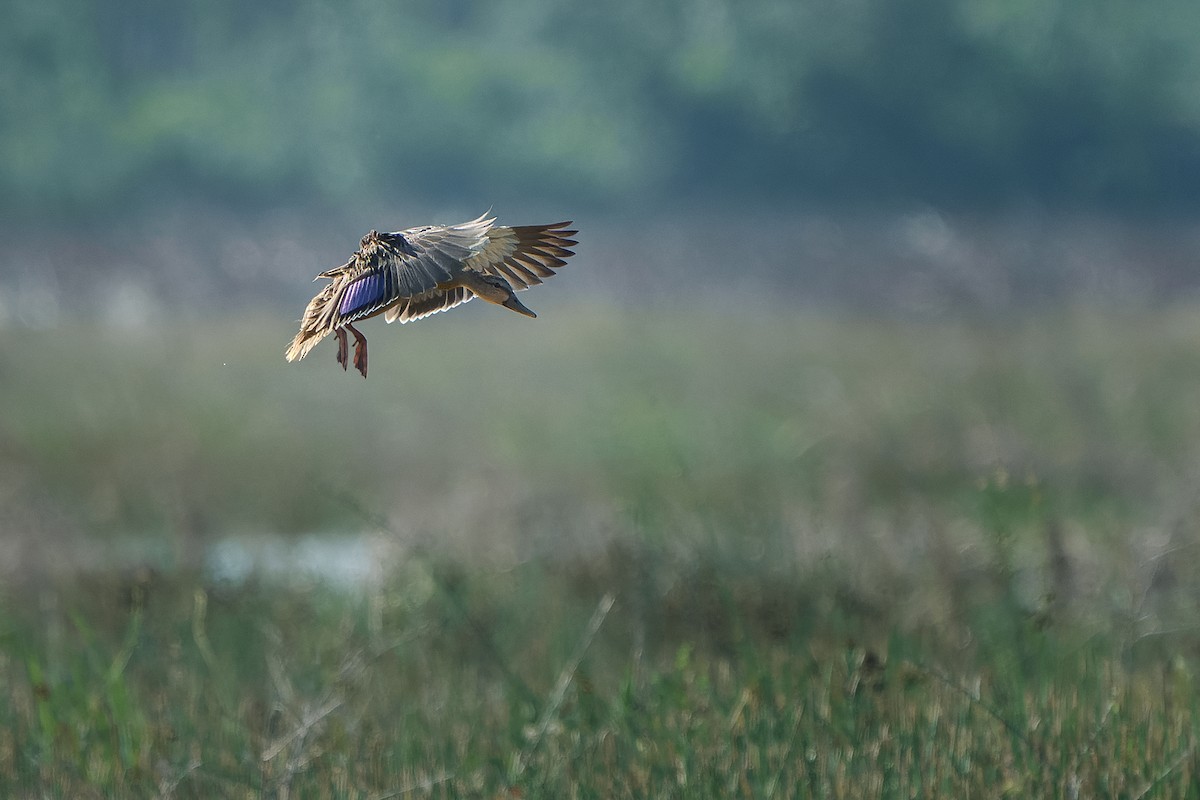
(411, 274)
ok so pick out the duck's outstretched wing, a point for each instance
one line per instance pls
(524, 255)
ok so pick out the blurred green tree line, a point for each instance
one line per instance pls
(978, 103)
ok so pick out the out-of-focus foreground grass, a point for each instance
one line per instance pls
(849, 557)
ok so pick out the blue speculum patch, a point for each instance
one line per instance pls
(366, 291)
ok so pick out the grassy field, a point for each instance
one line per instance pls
(696, 554)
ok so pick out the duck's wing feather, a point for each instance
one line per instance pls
(524, 255)
(423, 305)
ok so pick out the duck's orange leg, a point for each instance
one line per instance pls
(341, 353)
(360, 350)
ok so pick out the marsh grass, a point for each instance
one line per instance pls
(845, 557)
(496, 684)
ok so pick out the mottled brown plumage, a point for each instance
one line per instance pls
(414, 273)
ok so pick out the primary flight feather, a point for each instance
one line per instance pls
(411, 274)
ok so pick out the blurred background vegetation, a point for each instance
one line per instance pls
(865, 425)
(938, 155)
(981, 104)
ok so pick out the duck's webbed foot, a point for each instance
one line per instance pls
(360, 350)
(342, 349)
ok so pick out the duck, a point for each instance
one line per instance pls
(410, 274)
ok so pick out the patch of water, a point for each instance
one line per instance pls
(347, 561)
